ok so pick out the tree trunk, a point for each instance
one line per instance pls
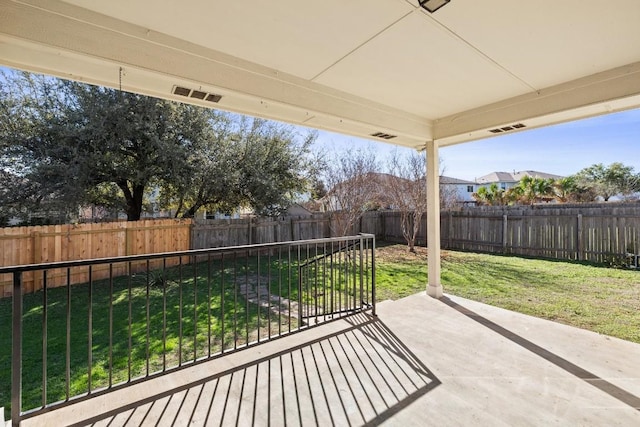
(133, 199)
(191, 212)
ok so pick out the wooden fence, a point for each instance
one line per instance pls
(593, 232)
(53, 243)
(233, 232)
(597, 233)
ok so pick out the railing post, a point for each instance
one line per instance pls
(362, 299)
(16, 351)
(299, 290)
(373, 275)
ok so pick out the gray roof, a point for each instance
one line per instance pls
(535, 174)
(513, 177)
(450, 180)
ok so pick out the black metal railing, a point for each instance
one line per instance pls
(102, 324)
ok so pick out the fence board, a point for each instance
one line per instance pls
(28, 245)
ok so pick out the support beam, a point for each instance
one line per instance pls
(434, 287)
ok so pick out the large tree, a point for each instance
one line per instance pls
(245, 162)
(608, 181)
(73, 143)
(64, 144)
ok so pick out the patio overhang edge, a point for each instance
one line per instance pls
(71, 52)
(602, 93)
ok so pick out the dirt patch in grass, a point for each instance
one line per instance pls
(399, 253)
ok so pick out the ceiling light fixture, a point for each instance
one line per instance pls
(432, 5)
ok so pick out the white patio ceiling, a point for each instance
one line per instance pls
(352, 66)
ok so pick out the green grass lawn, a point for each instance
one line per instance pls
(600, 299)
(189, 322)
(194, 307)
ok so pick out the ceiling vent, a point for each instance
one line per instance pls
(508, 128)
(196, 94)
(383, 135)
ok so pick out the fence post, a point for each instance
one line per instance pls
(505, 222)
(291, 229)
(450, 230)
(579, 242)
(16, 351)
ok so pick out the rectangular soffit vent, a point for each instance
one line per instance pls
(383, 135)
(508, 128)
(196, 94)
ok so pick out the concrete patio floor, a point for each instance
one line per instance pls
(421, 362)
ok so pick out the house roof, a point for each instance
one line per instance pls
(535, 174)
(382, 69)
(450, 180)
(496, 177)
(508, 177)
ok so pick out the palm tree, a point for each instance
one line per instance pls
(492, 196)
(563, 188)
(531, 190)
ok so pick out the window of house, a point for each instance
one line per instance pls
(469, 188)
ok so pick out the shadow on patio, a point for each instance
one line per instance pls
(352, 372)
(421, 362)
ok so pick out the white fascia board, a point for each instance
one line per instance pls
(602, 93)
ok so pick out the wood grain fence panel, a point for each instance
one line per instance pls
(593, 233)
(54, 243)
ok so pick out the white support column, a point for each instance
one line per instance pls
(434, 287)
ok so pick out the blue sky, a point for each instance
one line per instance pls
(561, 149)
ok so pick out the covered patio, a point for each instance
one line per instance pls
(391, 71)
(480, 365)
(388, 70)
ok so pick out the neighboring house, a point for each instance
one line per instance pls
(456, 191)
(506, 180)
(297, 210)
(372, 188)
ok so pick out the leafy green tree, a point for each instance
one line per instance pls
(608, 181)
(244, 162)
(29, 182)
(564, 188)
(65, 144)
(75, 144)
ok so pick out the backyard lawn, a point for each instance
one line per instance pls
(600, 299)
